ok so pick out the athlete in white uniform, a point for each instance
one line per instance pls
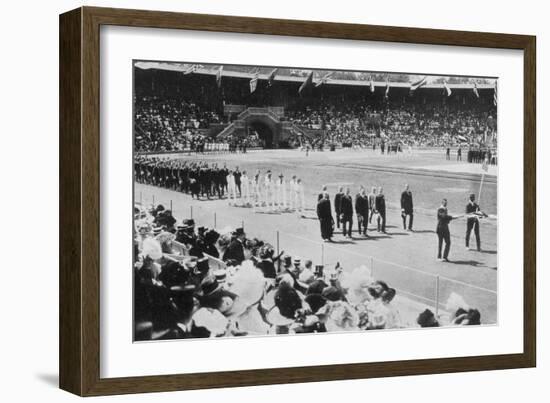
(231, 189)
(293, 200)
(245, 189)
(256, 195)
(281, 191)
(268, 191)
(300, 197)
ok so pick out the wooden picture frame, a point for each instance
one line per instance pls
(80, 188)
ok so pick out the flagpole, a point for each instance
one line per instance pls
(480, 187)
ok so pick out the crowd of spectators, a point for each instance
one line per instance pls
(197, 282)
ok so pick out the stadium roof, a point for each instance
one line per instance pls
(227, 72)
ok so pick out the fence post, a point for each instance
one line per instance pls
(372, 267)
(141, 199)
(436, 296)
(278, 251)
(191, 211)
(323, 254)
(215, 221)
(171, 205)
(242, 224)
(153, 200)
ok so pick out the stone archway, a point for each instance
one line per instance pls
(265, 132)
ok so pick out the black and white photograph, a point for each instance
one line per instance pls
(272, 200)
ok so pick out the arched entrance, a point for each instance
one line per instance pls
(264, 131)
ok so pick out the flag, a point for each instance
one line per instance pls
(219, 77)
(387, 88)
(476, 92)
(191, 69)
(271, 77)
(323, 80)
(417, 84)
(447, 89)
(306, 83)
(254, 81)
(371, 85)
(495, 95)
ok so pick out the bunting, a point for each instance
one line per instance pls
(219, 77)
(476, 92)
(417, 84)
(387, 92)
(306, 83)
(254, 81)
(271, 77)
(447, 89)
(371, 85)
(323, 80)
(190, 70)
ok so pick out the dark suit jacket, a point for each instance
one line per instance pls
(237, 176)
(235, 251)
(337, 200)
(361, 204)
(324, 211)
(346, 206)
(407, 202)
(380, 204)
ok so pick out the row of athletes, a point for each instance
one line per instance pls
(202, 180)
(367, 206)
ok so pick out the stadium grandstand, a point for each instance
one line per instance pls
(179, 106)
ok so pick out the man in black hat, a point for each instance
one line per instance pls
(474, 214)
(337, 200)
(235, 250)
(346, 209)
(362, 211)
(442, 230)
(324, 214)
(407, 207)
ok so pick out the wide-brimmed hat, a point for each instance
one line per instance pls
(287, 300)
(212, 320)
(315, 302)
(427, 319)
(151, 248)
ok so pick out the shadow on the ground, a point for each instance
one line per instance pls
(470, 262)
(49, 379)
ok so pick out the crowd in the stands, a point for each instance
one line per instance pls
(198, 282)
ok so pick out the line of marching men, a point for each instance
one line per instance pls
(203, 180)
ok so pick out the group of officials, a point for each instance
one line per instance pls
(366, 206)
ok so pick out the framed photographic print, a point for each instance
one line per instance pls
(249, 201)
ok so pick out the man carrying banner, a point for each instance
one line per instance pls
(473, 214)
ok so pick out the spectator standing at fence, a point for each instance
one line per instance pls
(459, 153)
(324, 213)
(346, 211)
(380, 209)
(448, 153)
(337, 201)
(407, 208)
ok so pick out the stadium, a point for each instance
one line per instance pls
(195, 126)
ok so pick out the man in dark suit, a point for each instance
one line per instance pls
(237, 174)
(235, 250)
(346, 211)
(324, 213)
(407, 208)
(380, 209)
(442, 230)
(362, 211)
(473, 213)
(337, 201)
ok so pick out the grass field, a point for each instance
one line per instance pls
(407, 261)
